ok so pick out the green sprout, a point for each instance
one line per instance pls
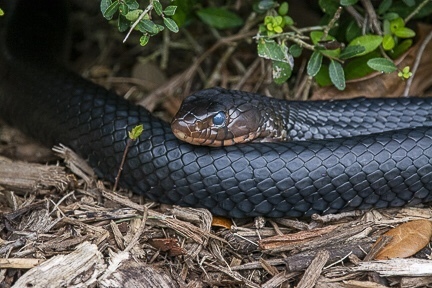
(134, 134)
(405, 73)
(275, 24)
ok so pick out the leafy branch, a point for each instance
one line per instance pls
(132, 18)
(345, 37)
(353, 39)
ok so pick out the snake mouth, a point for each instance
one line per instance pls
(195, 141)
(251, 137)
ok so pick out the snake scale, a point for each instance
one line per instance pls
(298, 178)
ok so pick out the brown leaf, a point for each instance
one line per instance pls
(221, 222)
(408, 239)
(168, 244)
(380, 85)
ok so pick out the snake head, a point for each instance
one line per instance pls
(217, 117)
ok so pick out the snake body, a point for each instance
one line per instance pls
(54, 105)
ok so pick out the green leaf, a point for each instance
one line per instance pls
(401, 48)
(269, 49)
(281, 60)
(144, 39)
(133, 15)
(295, 50)
(351, 51)
(357, 67)
(382, 65)
(386, 27)
(404, 32)
(283, 9)
(1, 12)
(157, 7)
(396, 24)
(136, 132)
(323, 77)
(317, 36)
(104, 4)
(281, 71)
(160, 27)
(132, 4)
(122, 23)
(219, 18)
(391, 16)
(123, 9)
(288, 20)
(384, 6)
(337, 74)
(170, 10)
(111, 10)
(352, 31)
(171, 25)
(369, 42)
(329, 7)
(314, 63)
(388, 42)
(263, 5)
(409, 3)
(184, 12)
(348, 2)
(278, 29)
(147, 26)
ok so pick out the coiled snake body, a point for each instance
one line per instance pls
(298, 178)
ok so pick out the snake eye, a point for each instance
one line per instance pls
(219, 119)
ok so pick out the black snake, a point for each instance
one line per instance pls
(298, 178)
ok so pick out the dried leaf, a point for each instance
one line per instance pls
(408, 239)
(221, 222)
(168, 244)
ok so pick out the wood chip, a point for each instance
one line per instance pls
(79, 267)
(21, 176)
(313, 272)
(397, 267)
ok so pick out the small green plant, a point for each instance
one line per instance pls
(405, 73)
(342, 48)
(134, 134)
(275, 24)
(132, 18)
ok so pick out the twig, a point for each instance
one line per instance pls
(128, 143)
(229, 51)
(306, 29)
(149, 7)
(356, 15)
(420, 51)
(373, 17)
(417, 10)
(332, 23)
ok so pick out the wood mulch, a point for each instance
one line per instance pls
(62, 227)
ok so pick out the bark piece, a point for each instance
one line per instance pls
(77, 269)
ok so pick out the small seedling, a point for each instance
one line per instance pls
(134, 134)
